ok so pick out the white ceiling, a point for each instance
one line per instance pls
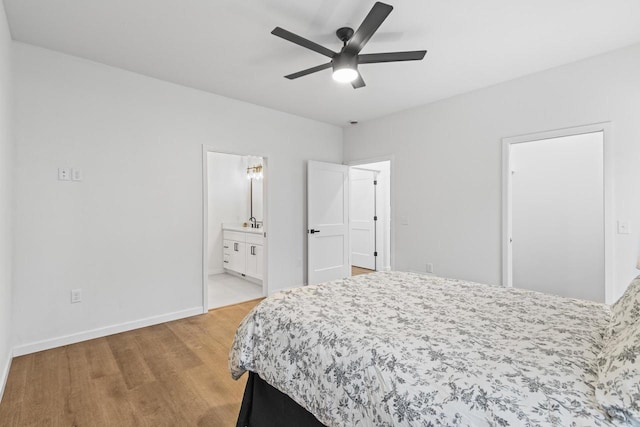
(225, 46)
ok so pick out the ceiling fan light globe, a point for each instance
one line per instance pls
(345, 75)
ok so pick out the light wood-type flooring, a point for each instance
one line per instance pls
(172, 374)
(359, 270)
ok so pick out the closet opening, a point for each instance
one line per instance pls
(557, 212)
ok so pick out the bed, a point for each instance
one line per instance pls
(404, 349)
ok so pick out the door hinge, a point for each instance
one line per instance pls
(375, 182)
(375, 218)
(375, 254)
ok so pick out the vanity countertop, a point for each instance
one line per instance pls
(242, 229)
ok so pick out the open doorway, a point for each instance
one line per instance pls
(370, 217)
(556, 210)
(335, 213)
(235, 236)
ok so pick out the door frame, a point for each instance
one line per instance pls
(507, 220)
(205, 221)
(392, 211)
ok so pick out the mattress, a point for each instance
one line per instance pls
(404, 349)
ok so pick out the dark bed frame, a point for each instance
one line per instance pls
(265, 406)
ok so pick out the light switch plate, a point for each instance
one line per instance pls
(76, 174)
(624, 227)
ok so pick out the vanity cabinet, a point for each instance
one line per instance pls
(234, 256)
(243, 253)
(254, 260)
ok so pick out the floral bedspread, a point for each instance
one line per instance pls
(404, 349)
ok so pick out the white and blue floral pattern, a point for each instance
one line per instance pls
(402, 349)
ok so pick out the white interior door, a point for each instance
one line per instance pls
(362, 213)
(327, 221)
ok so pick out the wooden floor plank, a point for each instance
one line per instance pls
(194, 335)
(48, 388)
(164, 353)
(153, 401)
(15, 390)
(129, 359)
(355, 271)
(171, 374)
(116, 404)
(81, 406)
(100, 358)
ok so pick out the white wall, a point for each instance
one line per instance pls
(228, 200)
(130, 235)
(558, 214)
(6, 171)
(447, 161)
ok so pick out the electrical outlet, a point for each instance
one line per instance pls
(64, 174)
(624, 227)
(429, 268)
(76, 296)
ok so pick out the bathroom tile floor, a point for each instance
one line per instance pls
(226, 289)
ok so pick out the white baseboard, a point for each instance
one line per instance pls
(217, 271)
(103, 332)
(5, 373)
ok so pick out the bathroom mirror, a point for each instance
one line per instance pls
(255, 176)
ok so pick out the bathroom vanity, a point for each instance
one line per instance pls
(243, 250)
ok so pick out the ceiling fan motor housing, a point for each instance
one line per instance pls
(345, 60)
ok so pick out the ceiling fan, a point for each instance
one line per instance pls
(345, 63)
